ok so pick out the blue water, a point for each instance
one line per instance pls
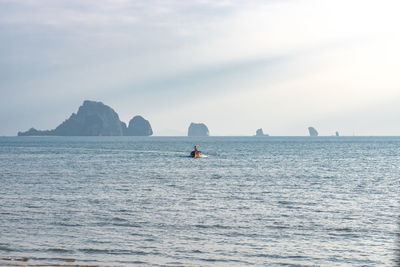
(322, 201)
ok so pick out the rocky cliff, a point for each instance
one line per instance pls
(260, 132)
(95, 119)
(198, 129)
(138, 126)
(312, 131)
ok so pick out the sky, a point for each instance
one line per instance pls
(235, 65)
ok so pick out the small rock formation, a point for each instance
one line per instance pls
(92, 119)
(34, 132)
(198, 129)
(138, 126)
(312, 131)
(337, 133)
(260, 132)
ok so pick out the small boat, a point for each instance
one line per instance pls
(195, 153)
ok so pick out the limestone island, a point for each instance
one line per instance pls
(138, 126)
(260, 132)
(312, 131)
(95, 119)
(198, 129)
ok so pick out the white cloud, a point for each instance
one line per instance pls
(306, 58)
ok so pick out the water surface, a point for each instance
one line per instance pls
(253, 201)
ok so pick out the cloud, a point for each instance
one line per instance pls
(135, 55)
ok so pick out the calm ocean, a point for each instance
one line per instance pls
(323, 201)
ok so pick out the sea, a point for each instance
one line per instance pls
(249, 201)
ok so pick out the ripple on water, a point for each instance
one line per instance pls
(2, 248)
(124, 201)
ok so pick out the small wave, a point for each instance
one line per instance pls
(343, 229)
(59, 250)
(278, 226)
(139, 262)
(68, 224)
(275, 256)
(105, 251)
(123, 210)
(68, 259)
(5, 248)
(41, 261)
(210, 259)
(116, 251)
(174, 263)
(31, 206)
(56, 259)
(119, 219)
(217, 226)
(127, 224)
(23, 259)
(215, 260)
(138, 234)
(345, 234)
(284, 202)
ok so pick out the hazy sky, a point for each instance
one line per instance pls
(234, 65)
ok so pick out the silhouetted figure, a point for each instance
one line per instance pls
(195, 153)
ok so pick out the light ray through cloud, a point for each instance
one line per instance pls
(284, 64)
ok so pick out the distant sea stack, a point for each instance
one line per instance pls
(138, 126)
(260, 132)
(198, 129)
(92, 119)
(312, 131)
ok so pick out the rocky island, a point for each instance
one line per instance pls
(138, 126)
(95, 119)
(312, 131)
(198, 129)
(260, 132)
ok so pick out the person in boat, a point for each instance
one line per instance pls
(195, 153)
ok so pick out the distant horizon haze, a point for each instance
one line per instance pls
(301, 130)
